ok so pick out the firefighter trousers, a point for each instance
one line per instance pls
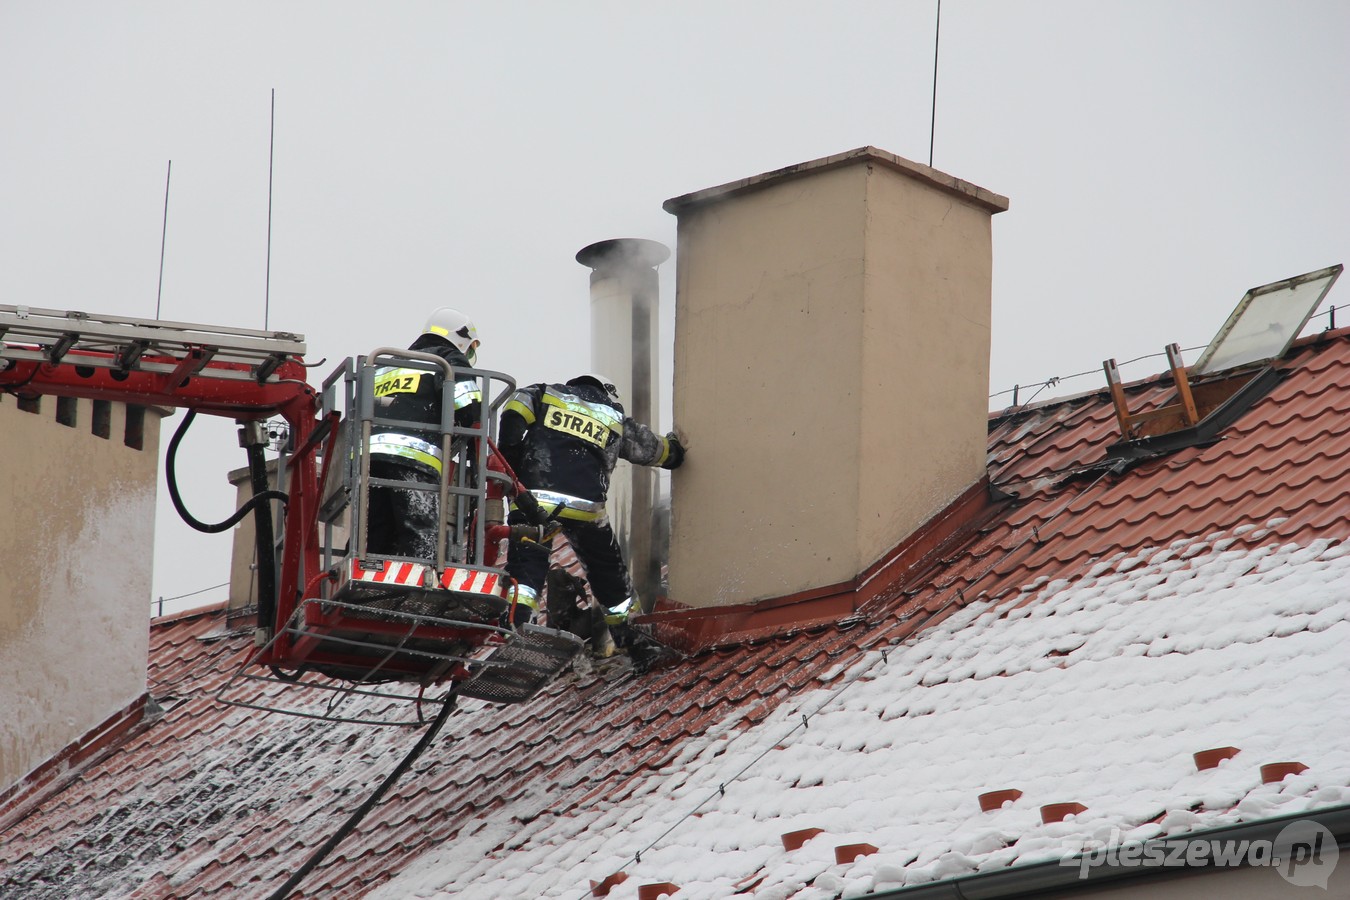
(402, 522)
(597, 550)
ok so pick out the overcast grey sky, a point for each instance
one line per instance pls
(1160, 158)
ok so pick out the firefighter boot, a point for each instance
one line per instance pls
(644, 651)
(601, 641)
(526, 602)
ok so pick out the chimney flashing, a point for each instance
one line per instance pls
(694, 629)
(57, 772)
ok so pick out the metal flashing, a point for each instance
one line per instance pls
(1206, 431)
(695, 629)
(53, 775)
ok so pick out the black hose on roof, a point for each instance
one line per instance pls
(355, 818)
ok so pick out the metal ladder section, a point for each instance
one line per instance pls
(150, 345)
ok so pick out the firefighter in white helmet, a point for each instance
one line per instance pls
(405, 522)
(563, 441)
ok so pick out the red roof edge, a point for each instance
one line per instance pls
(695, 629)
(53, 775)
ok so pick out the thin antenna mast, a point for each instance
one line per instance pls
(932, 124)
(271, 146)
(163, 236)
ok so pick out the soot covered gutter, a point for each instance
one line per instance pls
(1063, 877)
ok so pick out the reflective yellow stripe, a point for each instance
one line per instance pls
(556, 510)
(408, 453)
(527, 596)
(466, 393)
(565, 506)
(579, 503)
(619, 614)
(387, 439)
(665, 452)
(520, 409)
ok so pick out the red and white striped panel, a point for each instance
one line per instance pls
(471, 581)
(390, 573)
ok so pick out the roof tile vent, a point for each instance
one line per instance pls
(1210, 759)
(1272, 773)
(794, 840)
(1058, 812)
(992, 800)
(602, 888)
(847, 853)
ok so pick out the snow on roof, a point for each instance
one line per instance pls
(1079, 648)
(1097, 692)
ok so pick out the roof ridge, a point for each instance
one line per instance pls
(184, 615)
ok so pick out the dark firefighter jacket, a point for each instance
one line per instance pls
(566, 439)
(414, 395)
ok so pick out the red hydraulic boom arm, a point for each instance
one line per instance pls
(324, 599)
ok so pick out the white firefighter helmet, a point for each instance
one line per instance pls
(604, 382)
(456, 328)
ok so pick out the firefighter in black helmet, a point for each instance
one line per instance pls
(563, 441)
(405, 522)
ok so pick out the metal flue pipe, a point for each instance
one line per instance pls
(624, 320)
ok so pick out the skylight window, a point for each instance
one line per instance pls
(1265, 322)
(1234, 372)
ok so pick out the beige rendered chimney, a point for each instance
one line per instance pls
(831, 370)
(78, 493)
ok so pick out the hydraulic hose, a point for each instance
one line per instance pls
(171, 477)
(264, 539)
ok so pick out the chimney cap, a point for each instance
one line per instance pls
(970, 193)
(623, 252)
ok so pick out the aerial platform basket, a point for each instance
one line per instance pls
(365, 659)
(394, 621)
(375, 619)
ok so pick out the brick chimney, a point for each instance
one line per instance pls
(831, 370)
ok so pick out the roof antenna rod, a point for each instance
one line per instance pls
(932, 123)
(163, 236)
(271, 145)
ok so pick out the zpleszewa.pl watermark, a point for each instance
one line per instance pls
(1304, 853)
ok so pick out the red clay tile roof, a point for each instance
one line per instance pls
(1078, 648)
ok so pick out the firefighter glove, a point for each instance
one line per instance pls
(534, 514)
(674, 452)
